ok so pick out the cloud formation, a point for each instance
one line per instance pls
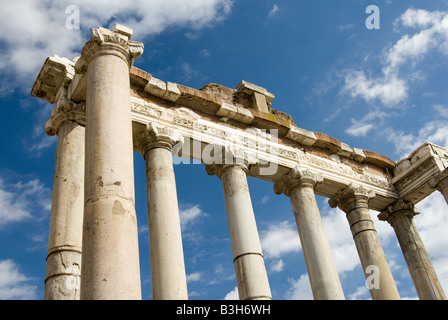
(14, 285)
(390, 88)
(37, 29)
(18, 200)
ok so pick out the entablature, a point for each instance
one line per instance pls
(243, 119)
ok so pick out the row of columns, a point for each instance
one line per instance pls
(93, 209)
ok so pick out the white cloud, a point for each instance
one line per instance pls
(265, 199)
(391, 89)
(277, 266)
(232, 295)
(17, 201)
(189, 214)
(279, 239)
(435, 131)
(13, 284)
(361, 293)
(300, 289)
(194, 277)
(359, 129)
(37, 29)
(274, 11)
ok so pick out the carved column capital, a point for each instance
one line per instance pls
(229, 157)
(297, 178)
(400, 209)
(157, 137)
(352, 197)
(106, 42)
(65, 110)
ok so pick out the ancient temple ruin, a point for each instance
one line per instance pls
(105, 109)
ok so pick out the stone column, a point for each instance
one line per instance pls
(440, 182)
(299, 186)
(248, 260)
(110, 266)
(354, 202)
(401, 217)
(62, 280)
(168, 277)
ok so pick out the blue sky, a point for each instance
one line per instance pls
(381, 89)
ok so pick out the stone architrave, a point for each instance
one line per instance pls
(248, 260)
(401, 217)
(168, 276)
(440, 182)
(354, 202)
(62, 280)
(110, 265)
(299, 186)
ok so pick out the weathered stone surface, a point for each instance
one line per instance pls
(299, 186)
(168, 278)
(116, 101)
(62, 280)
(56, 73)
(248, 258)
(401, 218)
(110, 263)
(413, 174)
(354, 202)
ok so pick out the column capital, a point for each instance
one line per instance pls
(399, 209)
(297, 178)
(218, 168)
(65, 110)
(229, 157)
(106, 42)
(352, 197)
(155, 136)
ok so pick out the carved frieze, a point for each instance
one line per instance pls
(265, 147)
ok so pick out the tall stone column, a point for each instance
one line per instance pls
(299, 186)
(110, 265)
(248, 260)
(62, 280)
(440, 182)
(401, 217)
(354, 202)
(168, 277)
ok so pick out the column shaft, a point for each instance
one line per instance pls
(168, 276)
(322, 271)
(400, 217)
(251, 276)
(110, 268)
(62, 279)
(354, 202)
(299, 186)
